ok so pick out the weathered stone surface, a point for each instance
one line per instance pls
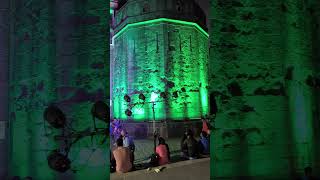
(59, 56)
(264, 80)
(167, 57)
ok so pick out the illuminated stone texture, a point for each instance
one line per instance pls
(262, 56)
(158, 48)
(60, 53)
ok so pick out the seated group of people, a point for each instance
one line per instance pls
(191, 148)
(122, 157)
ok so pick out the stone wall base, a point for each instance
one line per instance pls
(166, 129)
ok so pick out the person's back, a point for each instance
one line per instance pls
(122, 157)
(191, 144)
(162, 151)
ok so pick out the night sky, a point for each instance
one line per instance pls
(204, 4)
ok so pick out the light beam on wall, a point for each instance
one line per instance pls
(154, 96)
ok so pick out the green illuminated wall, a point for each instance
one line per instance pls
(161, 55)
(263, 74)
(160, 46)
(59, 50)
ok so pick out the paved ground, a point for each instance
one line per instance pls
(186, 170)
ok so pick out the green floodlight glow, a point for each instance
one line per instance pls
(154, 96)
(161, 20)
(132, 73)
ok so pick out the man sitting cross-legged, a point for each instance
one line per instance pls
(122, 155)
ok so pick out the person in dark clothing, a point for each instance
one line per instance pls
(154, 160)
(184, 148)
(112, 164)
(192, 146)
(308, 174)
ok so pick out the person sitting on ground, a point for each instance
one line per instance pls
(308, 174)
(128, 143)
(192, 146)
(122, 157)
(184, 148)
(163, 151)
(204, 143)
